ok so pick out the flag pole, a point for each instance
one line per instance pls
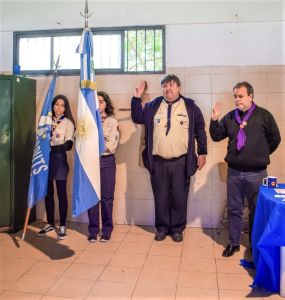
(26, 223)
(29, 208)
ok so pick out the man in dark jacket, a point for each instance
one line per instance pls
(172, 123)
(253, 135)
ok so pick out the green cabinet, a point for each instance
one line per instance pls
(17, 136)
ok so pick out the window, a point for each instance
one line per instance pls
(116, 50)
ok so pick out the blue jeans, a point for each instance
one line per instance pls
(241, 186)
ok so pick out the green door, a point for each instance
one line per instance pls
(5, 146)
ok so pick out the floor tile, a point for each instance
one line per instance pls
(200, 280)
(162, 262)
(120, 274)
(138, 238)
(166, 250)
(195, 264)
(34, 283)
(234, 281)
(239, 295)
(104, 290)
(118, 236)
(157, 278)
(59, 298)
(11, 295)
(94, 258)
(149, 230)
(133, 248)
(142, 292)
(128, 260)
(84, 271)
(49, 268)
(72, 288)
(183, 293)
(229, 265)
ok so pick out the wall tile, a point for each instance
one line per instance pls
(258, 81)
(223, 83)
(275, 82)
(276, 105)
(203, 101)
(198, 83)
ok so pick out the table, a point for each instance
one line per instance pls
(268, 240)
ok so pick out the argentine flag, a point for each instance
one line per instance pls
(40, 162)
(89, 138)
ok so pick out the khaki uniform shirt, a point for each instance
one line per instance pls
(64, 131)
(111, 135)
(175, 143)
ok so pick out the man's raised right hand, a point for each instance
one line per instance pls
(138, 92)
(216, 111)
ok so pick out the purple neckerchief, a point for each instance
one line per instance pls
(241, 137)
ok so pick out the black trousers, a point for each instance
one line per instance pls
(241, 186)
(170, 189)
(107, 173)
(62, 200)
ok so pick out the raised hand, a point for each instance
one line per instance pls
(139, 90)
(216, 111)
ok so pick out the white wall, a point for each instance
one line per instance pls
(198, 33)
(226, 44)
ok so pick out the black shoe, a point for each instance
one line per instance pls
(92, 238)
(230, 250)
(177, 237)
(105, 238)
(45, 230)
(160, 236)
(62, 234)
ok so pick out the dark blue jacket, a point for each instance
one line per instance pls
(196, 130)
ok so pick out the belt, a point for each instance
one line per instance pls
(107, 155)
(169, 159)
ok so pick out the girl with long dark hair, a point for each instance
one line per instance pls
(107, 173)
(61, 141)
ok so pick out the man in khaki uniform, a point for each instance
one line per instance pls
(172, 124)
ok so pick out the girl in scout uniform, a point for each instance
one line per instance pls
(61, 141)
(107, 172)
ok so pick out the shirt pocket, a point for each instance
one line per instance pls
(182, 122)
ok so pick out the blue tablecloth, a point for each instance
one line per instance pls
(268, 235)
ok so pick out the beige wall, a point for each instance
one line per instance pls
(206, 85)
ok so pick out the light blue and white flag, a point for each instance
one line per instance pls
(89, 138)
(40, 163)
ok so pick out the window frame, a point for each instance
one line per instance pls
(17, 35)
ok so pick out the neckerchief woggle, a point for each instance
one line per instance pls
(241, 137)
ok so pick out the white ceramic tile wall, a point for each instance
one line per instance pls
(206, 85)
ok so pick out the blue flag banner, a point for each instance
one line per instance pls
(89, 138)
(40, 162)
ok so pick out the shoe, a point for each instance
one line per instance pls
(62, 234)
(177, 237)
(105, 238)
(160, 236)
(45, 230)
(230, 250)
(92, 238)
